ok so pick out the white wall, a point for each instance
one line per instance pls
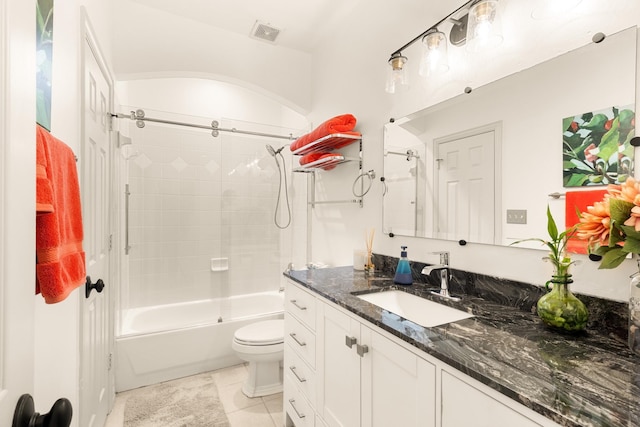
(149, 42)
(359, 89)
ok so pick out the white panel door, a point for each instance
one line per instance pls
(17, 204)
(466, 188)
(95, 188)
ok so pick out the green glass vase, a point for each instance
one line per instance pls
(560, 309)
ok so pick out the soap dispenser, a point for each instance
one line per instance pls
(403, 271)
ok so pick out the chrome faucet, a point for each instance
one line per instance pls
(445, 275)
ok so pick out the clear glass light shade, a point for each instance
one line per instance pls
(397, 80)
(434, 54)
(547, 9)
(484, 29)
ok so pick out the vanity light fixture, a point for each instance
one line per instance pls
(397, 80)
(434, 53)
(483, 26)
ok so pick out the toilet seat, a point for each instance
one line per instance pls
(268, 332)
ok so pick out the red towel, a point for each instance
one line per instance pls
(59, 254)
(577, 201)
(338, 124)
(313, 157)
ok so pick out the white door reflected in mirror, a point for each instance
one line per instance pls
(466, 192)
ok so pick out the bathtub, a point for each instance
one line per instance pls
(165, 342)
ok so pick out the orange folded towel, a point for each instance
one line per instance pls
(577, 201)
(313, 157)
(60, 258)
(338, 124)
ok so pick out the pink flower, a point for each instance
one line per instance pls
(595, 224)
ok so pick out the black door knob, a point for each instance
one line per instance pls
(88, 286)
(26, 416)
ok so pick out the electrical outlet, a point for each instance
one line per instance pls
(516, 216)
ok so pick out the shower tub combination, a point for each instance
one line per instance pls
(165, 342)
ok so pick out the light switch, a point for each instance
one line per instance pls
(516, 216)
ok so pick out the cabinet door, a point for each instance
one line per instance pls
(338, 369)
(465, 405)
(398, 387)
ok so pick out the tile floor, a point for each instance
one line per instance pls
(241, 411)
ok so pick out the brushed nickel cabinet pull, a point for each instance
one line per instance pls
(300, 343)
(298, 306)
(293, 369)
(299, 414)
(362, 349)
(350, 341)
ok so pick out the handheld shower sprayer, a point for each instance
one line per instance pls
(273, 151)
(282, 174)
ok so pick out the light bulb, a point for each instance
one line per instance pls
(483, 26)
(397, 75)
(434, 54)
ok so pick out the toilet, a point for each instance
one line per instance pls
(262, 345)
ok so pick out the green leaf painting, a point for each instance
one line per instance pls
(596, 147)
(44, 50)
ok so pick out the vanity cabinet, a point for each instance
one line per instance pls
(363, 376)
(367, 380)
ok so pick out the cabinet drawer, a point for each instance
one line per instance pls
(301, 304)
(478, 406)
(300, 373)
(296, 406)
(301, 339)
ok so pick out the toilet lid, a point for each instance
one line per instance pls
(266, 332)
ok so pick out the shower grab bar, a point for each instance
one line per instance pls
(139, 117)
(328, 202)
(127, 193)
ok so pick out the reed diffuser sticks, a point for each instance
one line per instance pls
(368, 237)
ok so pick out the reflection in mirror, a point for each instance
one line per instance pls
(499, 148)
(404, 170)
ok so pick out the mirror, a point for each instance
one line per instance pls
(481, 166)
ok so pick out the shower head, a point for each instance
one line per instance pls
(273, 151)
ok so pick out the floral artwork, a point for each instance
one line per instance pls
(44, 50)
(596, 147)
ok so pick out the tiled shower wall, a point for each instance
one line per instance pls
(195, 198)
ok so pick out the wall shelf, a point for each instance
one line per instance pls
(328, 143)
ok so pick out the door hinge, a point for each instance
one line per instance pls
(110, 241)
(109, 120)
(109, 361)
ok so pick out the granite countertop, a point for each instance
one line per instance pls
(589, 379)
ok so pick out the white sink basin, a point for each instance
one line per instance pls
(419, 310)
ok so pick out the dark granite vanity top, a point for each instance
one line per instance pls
(589, 379)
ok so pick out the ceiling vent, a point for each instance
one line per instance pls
(266, 32)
